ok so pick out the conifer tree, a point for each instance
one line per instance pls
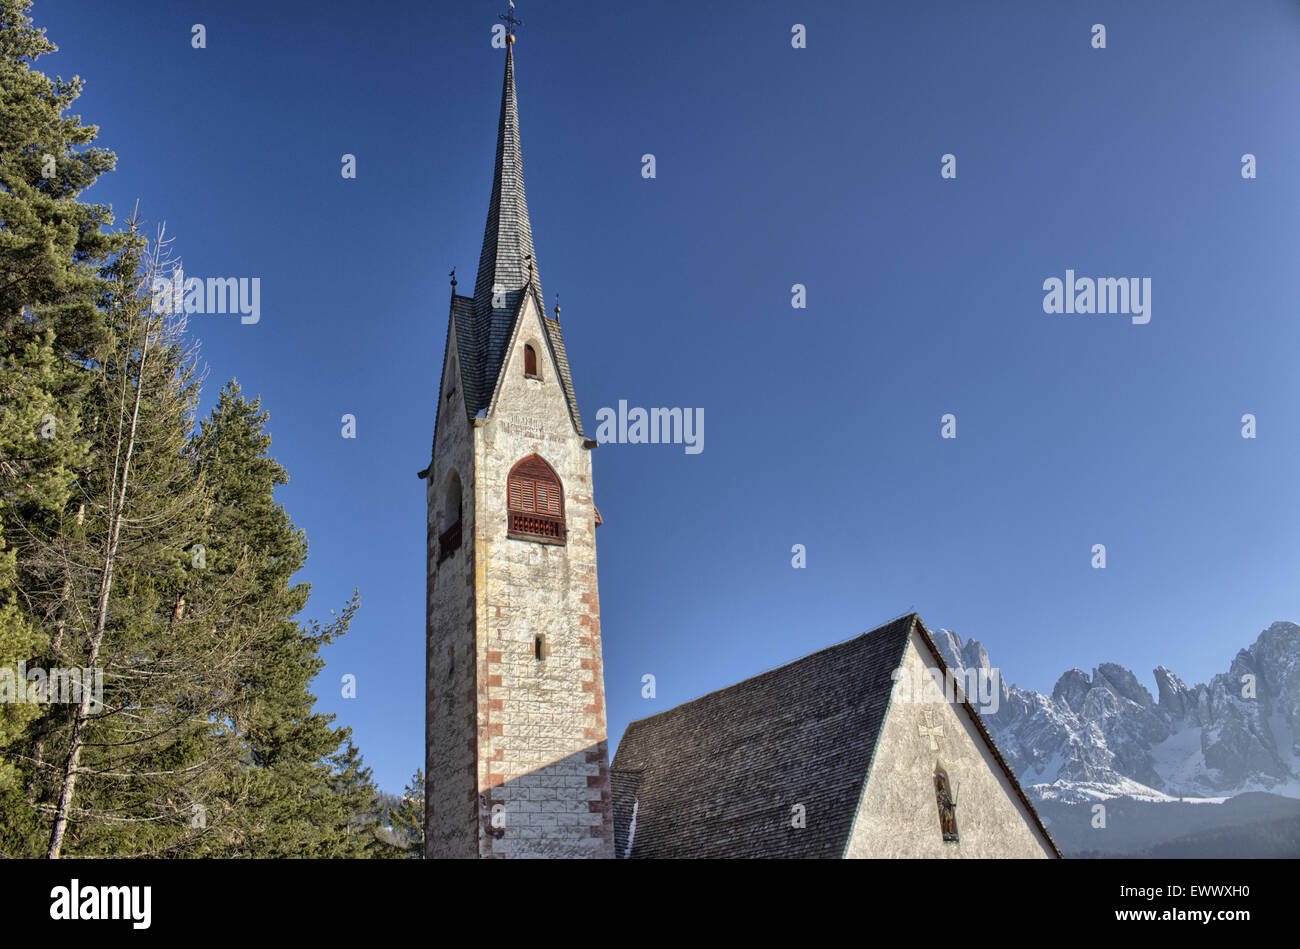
(301, 784)
(52, 247)
(133, 545)
(40, 450)
(358, 802)
(209, 743)
(52, 244)
(408, 816)
(125, 777)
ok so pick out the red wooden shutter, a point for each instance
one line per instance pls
(530, 361)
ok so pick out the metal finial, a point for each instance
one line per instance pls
(511, 22)
(557, 308)
(453, 277)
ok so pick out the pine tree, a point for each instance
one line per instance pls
(51, 243)
(408, 816)
(52, 247)
(358, 800)
(19, 639)
(210, 744)
(133, 545)
(125, 778)
(301, 784)
(40, 449)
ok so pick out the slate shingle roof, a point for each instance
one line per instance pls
(508, 235)
(483, 332)
(717, 777)
(462, 315)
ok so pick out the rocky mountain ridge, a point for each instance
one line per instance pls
(1104, 735)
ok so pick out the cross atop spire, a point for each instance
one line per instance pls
(511, 22)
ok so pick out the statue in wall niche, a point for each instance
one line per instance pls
(947, 805)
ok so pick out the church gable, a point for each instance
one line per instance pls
(451, 439)
(811, 760)
(535, 368)
(479, 383)
(461, 356)
(937, 786)
(451, 393)
(452, 455)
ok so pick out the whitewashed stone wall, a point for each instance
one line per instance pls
(451, 790)
(898, 815)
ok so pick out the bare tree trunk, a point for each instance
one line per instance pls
(117, 506)
(36, 786)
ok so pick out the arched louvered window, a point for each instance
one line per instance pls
(947, 805)
(536, 502)
(530, 361)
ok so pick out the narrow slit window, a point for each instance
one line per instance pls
(539, 647)
(530, 361)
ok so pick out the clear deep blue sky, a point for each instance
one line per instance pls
(775, 166)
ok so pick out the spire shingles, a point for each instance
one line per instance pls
(507, 239)
(483, 330)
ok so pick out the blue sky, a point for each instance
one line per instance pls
(775, 166)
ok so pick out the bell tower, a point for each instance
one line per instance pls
(516, 754)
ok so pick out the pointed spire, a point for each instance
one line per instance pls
(507, 270)
(507, 264)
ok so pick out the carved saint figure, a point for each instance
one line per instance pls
(947, 805)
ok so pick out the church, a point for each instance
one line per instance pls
(822, 757)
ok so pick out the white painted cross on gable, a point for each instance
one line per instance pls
(930, 730)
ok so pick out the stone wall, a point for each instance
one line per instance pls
(451, 793)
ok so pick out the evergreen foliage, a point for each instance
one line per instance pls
(142, 546)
